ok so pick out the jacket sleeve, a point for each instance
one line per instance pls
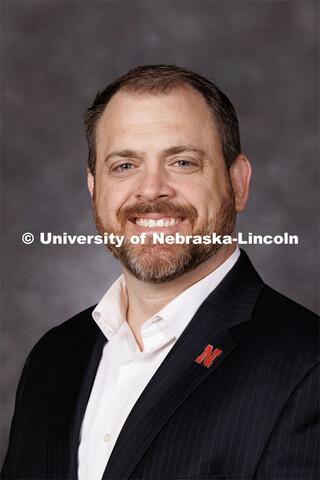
(292, 449)
(10, 464)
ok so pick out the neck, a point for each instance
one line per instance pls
(146, 299)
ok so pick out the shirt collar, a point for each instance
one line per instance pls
(111, 311)
(181, 309)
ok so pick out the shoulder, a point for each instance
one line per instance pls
(281, 318)
(63, 348)
(76, 330)
(274, 303)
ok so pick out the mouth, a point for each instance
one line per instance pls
(156, 221)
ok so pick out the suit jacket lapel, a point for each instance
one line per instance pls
(179, 375)
(81, 362)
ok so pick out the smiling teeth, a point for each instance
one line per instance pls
(162, 222)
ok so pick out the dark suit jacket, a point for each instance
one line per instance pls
(252, 414)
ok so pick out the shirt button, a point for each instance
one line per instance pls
(131, 367)
(107, 438)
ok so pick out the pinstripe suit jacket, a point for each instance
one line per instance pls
(252, 414)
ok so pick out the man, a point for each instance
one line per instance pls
(189, 367)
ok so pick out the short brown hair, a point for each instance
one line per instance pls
(162, 79)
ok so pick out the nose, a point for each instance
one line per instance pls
(154, 186)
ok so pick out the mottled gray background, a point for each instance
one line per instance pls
(57, 54)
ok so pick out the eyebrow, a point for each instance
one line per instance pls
(123, 154)
(169, 151)
(184, 149)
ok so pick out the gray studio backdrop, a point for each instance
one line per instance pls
(57, 54)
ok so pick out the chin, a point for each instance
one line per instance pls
(160, 264)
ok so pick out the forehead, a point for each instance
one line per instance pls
(181, 112)
(184, 95)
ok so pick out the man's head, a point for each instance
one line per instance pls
(161, 79)
(164, 156)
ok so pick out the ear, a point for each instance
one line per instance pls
(90, 182)
(240, 174)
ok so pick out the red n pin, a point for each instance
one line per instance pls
(207, 356)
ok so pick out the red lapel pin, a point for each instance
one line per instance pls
(208, 355)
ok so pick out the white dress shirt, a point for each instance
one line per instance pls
(124, 371)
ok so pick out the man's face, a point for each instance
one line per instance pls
(160, 168)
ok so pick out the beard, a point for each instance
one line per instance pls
(160, 263)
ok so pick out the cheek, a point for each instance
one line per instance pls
(204, 196)
(109, 199)
(208, 206)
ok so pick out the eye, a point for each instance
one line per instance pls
(123, 170)
(185, 166)
(183, 163)
(124, 166)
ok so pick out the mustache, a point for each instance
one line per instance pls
(139, 208)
